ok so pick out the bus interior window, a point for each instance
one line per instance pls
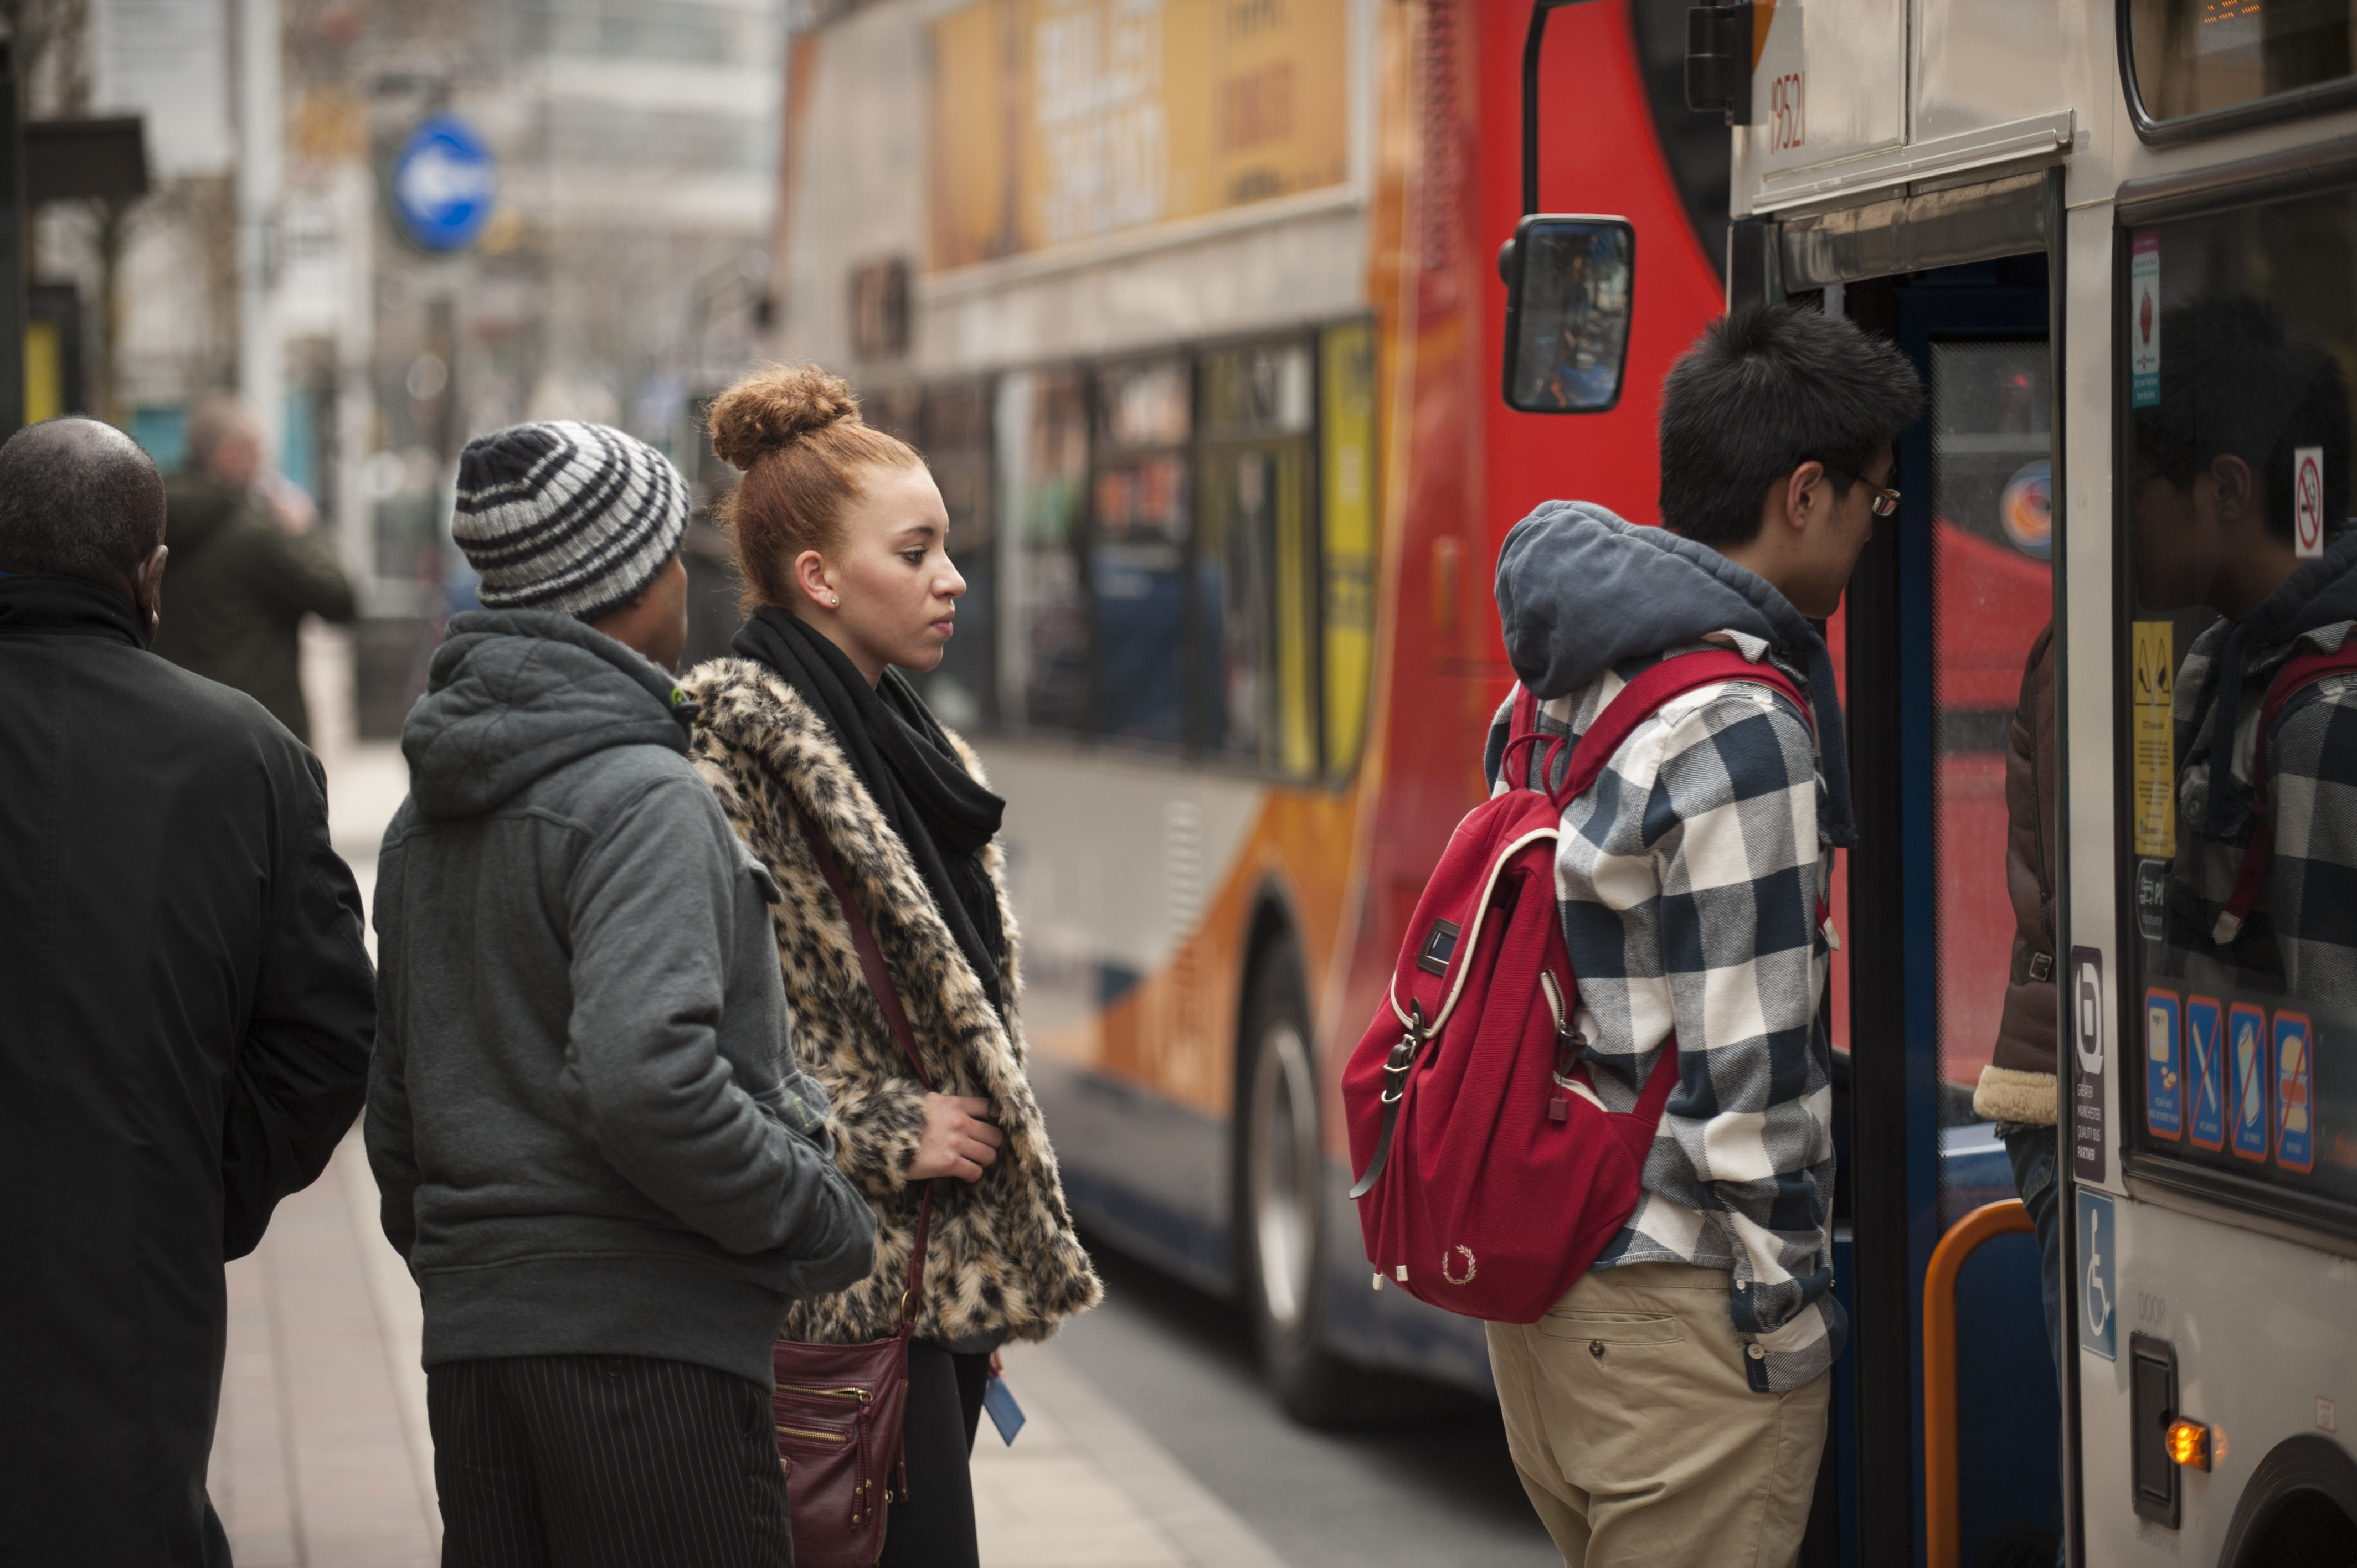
(2191, 56)
(955, 436)
(2241, 340)
(1992, 595)
(1253, 560)
(1043, 436)
(1138, 512)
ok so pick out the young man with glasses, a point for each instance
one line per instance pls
(1671, 1409)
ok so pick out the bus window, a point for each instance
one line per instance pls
(2240, 768)
(1346, 469)
(2190, 57)
(1042, 431)
(1253, 559)
(1992, 589)
(1138, 552)
(953, 433)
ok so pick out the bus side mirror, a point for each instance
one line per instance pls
(1570, 288)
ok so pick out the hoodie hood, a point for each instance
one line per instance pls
(514, 696)
(1580, 590)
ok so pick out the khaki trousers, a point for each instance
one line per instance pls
(1637, 1434)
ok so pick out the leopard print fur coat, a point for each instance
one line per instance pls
(1002, 1258)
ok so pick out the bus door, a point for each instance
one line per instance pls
(1940, 620)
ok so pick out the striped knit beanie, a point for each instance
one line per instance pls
(563, 516)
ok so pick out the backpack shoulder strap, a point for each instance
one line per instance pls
(2297, 676)
(1644, 696)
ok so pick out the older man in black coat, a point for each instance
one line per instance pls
(186, 1011)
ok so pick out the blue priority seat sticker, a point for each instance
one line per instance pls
(2164, 1073)
(2247, 1072)
(2098, 1275)
(2205, 1071)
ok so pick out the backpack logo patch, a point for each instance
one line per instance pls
(1439, 947)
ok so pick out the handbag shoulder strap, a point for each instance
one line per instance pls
(887, 996)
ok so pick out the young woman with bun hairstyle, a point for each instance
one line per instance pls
(841, 542)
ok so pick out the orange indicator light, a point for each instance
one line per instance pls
(2188, 1444)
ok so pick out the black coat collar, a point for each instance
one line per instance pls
(35, 603)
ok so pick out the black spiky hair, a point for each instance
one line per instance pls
(1763, 390)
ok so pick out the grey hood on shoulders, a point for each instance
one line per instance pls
(514, 696)
(1580, 590)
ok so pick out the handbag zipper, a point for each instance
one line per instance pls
(806, 1433)
(859, 1394)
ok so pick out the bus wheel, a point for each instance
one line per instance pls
(1282, 1191)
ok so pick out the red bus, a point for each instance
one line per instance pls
(1195, 308)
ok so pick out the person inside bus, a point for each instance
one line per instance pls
(2212, 506)
(1671, 1409)
(815, 743)
(2016, 1090)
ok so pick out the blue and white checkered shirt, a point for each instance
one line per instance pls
(1689, 876)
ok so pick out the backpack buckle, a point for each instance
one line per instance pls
(1403, 1057)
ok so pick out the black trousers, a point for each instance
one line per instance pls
(585, 1461)
(933, 1527)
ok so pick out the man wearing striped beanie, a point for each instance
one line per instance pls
(597, 1152)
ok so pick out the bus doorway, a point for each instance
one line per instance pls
(1942, 615)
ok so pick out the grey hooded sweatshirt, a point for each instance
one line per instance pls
(584, 1110)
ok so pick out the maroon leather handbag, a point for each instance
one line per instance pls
(839, 1409)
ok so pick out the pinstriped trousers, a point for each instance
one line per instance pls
(586, 1461)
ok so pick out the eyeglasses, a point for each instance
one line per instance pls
(1885, 503)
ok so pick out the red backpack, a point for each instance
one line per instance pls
(1493, 1173)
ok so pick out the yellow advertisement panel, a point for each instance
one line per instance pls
(2152, 647)
(1056, 121)
(1346, 469)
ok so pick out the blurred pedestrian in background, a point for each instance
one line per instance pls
(596, 1151)
(1671, 1409)
(813, 739)
(248, 563)
(186, 1005)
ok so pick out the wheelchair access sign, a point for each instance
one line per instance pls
(2099, 1296)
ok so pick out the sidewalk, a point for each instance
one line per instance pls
(322, 1458)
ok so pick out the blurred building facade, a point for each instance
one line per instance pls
(620, 275)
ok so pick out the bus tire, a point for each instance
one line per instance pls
(1279, 1231)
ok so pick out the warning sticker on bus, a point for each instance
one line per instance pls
(2164, 1079)
(2308, 502)
(2246, 1065)
(2153, 659)
(2205, 1078)
(2143, 319)
(2087, 1161)
(2294, 1054)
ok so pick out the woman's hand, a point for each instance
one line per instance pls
(958, 1140)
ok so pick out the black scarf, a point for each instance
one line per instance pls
(903, 757)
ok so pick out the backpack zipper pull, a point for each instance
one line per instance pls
(1553, 992)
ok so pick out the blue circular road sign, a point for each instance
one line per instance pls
(445, 183)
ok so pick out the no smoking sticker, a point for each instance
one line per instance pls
(2307, 501)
